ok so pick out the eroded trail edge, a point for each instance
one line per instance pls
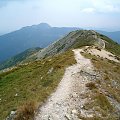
(68, 100)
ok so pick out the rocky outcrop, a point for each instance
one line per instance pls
(79, 37)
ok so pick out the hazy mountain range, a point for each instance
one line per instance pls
(74, 39)
(28, 37)
(37, 36)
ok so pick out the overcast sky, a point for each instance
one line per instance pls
(15, 14)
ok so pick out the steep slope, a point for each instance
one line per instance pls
(28, 37)
(113, 35)
(110, 45)
(78, 39)
(26, 56)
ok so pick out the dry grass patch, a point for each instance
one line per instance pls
(103, 102)
(26, 112)
(107, 87)
(91, 85)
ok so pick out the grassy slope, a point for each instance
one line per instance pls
(102, 89)
(86, 39)
(109, 84)
(31, 82)
(111, 45)
(19, 58)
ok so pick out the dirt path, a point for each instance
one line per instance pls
(67, 102)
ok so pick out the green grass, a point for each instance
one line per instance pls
(111, 76)
(88, 40)
(102, 101)
(24, 56)
(31, 82)
(111, 45)
(85, 40)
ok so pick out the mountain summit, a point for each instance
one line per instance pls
(44, 25)
(41, 26)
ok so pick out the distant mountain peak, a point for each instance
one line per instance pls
(39, 26)
(44, 25)
(40, 35)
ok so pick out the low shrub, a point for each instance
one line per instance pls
(91, 85)
(26, 112)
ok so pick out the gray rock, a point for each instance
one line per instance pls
(11, 116)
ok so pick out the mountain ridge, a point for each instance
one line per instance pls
(40, 35)
(112, 35)
(80, 38)
(28, 37)
(75, 39)
(26, 88)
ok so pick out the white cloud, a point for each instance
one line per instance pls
(18, 13)
(88, 10)
(106, 6)
(100, 6)
(111, 8)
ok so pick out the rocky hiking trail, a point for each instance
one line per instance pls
(67, 102)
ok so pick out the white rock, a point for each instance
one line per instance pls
(12, 112)
(74, 111)
(16, 95)
(68, 116)
(75, 95)
(50, 70)
(90, 116)
(82, 106)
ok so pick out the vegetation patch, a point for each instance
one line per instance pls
(24, 56)
(108, 86)
(31, 83)
(111, 45)
(26, 112)
(103, 102)
(91, 85)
